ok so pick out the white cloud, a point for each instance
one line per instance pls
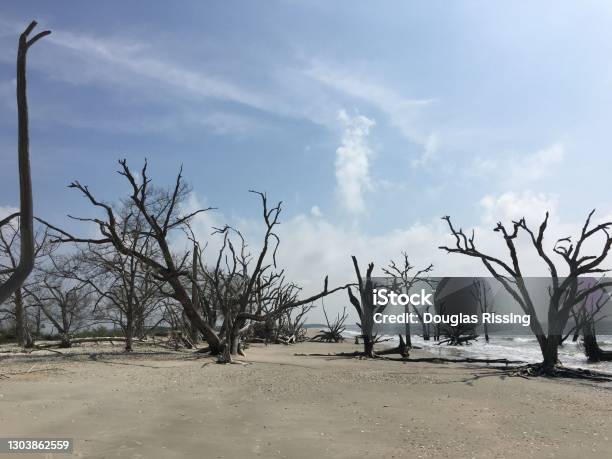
(130, 62)
(514, 170)
(312, 246)
(403, 112)
(315, 211)
(511, 206)
(430, 149)
(537, 165)
(352, 162)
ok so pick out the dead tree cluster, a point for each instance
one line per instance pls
(220, 303)
(247, 286)
(133, 275)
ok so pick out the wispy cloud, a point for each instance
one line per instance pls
(517, 170)
(127, 60)
(403, 112)
(353, 162)
(537, 165)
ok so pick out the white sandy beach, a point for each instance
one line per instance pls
(176, 405)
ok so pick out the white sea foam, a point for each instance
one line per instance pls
(523, 348)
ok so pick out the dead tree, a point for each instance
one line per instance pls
(481, 291)
(364, 305)
(26, 212)
(195, 294)
(406, 279)
(160, 210)
(68, 306)
(588, 311)
(291, 325)
(335, 328)
(129, 294)
(209, 309)
(589, 342)
(248, 287)
(10, 242)
(564, 292)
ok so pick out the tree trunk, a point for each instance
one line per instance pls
(408, 332)
(24, 339)
(550, 352)
(195, 295)
(368, 346)
(425, 331)
(26, 212)
(129, 334)
(65, 340)
(212, 339)
(235, 345)
(591, 348)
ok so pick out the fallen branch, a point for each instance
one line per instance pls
(418, 359)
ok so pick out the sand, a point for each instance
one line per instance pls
(161, 404)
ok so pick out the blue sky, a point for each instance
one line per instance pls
(369, 120)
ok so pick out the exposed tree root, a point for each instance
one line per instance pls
(559, 371)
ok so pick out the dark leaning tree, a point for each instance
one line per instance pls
(160, 211)
(26, 212)
(565, 292)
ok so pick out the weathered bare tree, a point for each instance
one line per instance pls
(128, 292)
(405, 278)
(160, 210)
(67, 305)
(26, 212)
(364, 305)
(10, 243)
(335, 328)
(248, 288)
(564, 292)
(291, 327)
(588, 312)
(589, 342)
(448, 307)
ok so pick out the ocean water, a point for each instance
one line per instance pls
(523, 348)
